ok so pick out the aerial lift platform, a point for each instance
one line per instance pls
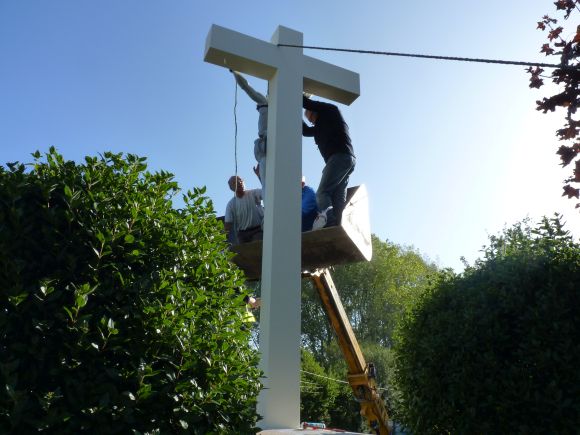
(348, 243)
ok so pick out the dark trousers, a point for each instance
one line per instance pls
(250, 234)
(333, 184)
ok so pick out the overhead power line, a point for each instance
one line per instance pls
(324, 377)
(331, 379)
(429, 56)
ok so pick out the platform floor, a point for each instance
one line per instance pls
(348, 243)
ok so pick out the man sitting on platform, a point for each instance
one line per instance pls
(244, 212)
(309, 208)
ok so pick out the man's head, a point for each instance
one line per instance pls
(303, 181)
(236, 185)
(311, 116)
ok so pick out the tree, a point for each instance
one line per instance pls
(118, 312)
(318, 392)
(375, 295)
(495, 350)
(346, 413)
(568, 77)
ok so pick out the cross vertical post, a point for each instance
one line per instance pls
(279, 401)
(289, 73)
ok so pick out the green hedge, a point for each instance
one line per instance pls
(118, 312)
(497, 349)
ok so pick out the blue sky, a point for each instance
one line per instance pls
(450, 152)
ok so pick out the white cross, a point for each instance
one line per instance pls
(289, 73)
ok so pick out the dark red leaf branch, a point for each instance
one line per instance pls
(568, 96)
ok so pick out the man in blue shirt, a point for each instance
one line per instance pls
(309, 208)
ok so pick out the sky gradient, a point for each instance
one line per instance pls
(450, 152)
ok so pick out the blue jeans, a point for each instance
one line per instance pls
(260, 155)
(332, 188)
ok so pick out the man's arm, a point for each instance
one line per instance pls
(229, 218)
(252, 93)
(306, 130)
(314, 106)
(257, 194)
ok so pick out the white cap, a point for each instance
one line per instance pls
(303, 179)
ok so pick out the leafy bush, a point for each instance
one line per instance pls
(318, 391)
(345, 412)
(496, 350)
(326, 396)
(375, 295)
(118, 312)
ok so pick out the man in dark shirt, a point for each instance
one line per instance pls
(330, 133)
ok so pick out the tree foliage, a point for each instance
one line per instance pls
(118, 312)
(496, 350)
(566, 47)
(318, 391)
(375, 295)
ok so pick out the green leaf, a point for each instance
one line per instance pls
(69, 312)
(81, 300)
(17, 299)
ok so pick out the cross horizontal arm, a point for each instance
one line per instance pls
(330, 81)
(239, 52)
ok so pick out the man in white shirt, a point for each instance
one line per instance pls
(244, 212)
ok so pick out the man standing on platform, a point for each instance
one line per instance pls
(260, 143)
(330, 133)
